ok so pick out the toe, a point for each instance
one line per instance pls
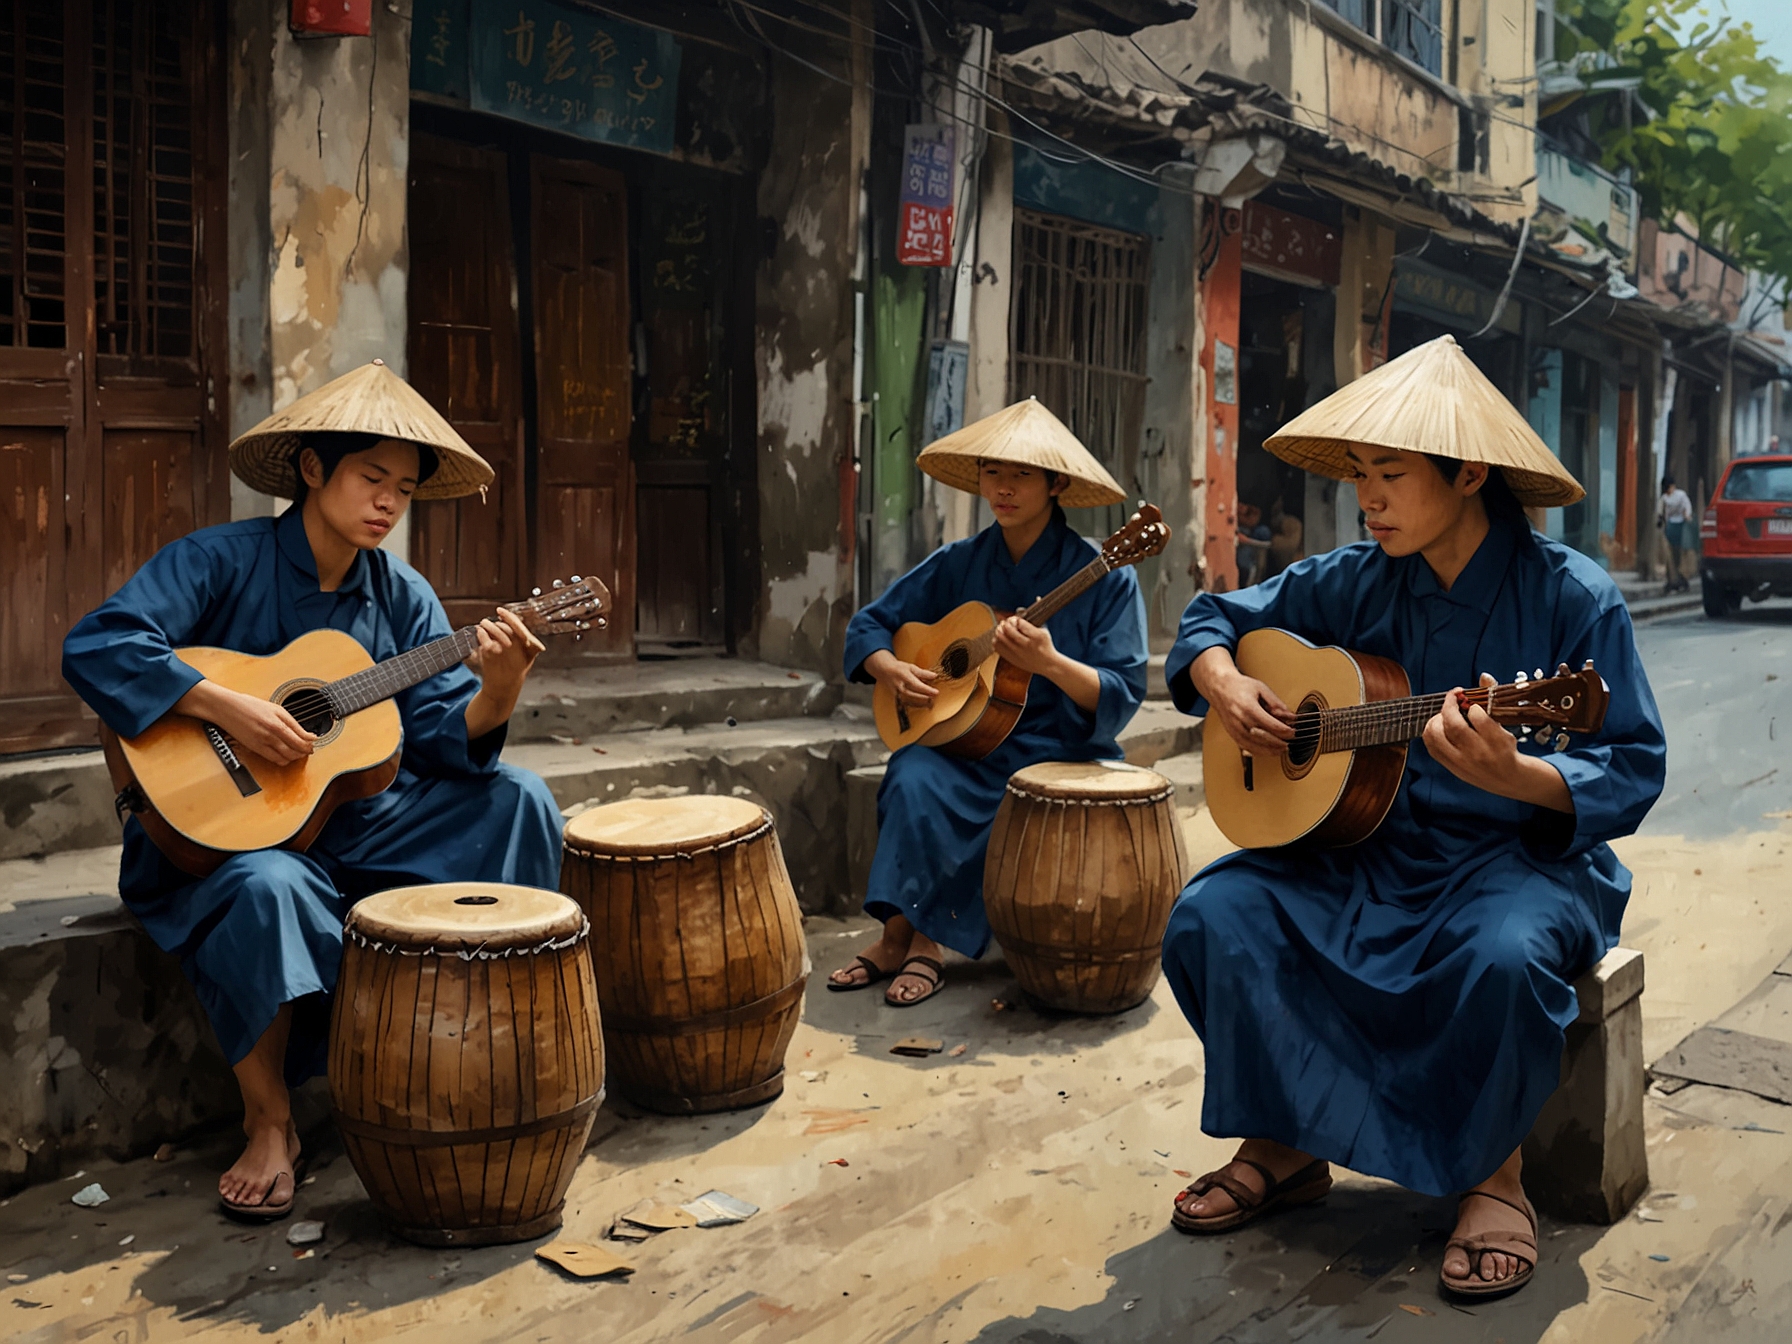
(1455, 1265)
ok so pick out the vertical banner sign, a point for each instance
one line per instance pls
(924, 223)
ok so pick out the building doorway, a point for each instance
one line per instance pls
(112, 320)
(573, 309)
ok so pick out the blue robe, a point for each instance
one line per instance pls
(266, 927)
(934, 811)
(1398, 1006)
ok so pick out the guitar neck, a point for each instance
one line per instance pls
(1048, 606)
(384, 680)
(1379, 723)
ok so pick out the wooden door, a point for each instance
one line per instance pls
(112, 339)
(464, 358)
(585, 490)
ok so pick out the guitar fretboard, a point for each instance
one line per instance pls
(1379, 723)
(978, 649)
(384, 680)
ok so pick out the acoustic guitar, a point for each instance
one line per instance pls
(1354, 716)
(981, 695)
(201, 796)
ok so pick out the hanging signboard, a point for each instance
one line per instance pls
(583, 73)
(924, 221)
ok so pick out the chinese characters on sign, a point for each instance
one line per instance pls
(570, 70)
(929, 175)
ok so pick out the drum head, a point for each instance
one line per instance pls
(652, 827)
(1089, 781)
(462, 916)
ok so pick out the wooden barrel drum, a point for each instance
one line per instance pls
(1085, 860)
(697, 942)
(466, 1060)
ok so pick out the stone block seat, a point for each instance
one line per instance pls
(1585, 1160)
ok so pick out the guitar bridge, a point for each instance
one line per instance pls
(233, 765)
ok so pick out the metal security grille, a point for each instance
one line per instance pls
(1077, 330)
(144, 192)
(33, 209)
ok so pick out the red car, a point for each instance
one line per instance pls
(1745, 539)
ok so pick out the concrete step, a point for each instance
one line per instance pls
(558, 705)
(104, 1050)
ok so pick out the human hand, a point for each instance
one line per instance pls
(911, 685)
(1029, 647)
(1474, 748)
(1253, 715)
(256, 725)
(506, 653)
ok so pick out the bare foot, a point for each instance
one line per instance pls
(1477, 1217)
(887, 953)
(1281, 1160)
(913, 985)
(256, 1176)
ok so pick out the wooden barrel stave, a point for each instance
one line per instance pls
(686, 938)
(1079, 892)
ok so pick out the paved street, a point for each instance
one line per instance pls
(1018, 1193)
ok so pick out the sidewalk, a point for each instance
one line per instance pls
(1016, 1194)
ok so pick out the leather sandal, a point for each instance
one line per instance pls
(1306, 1186)
(874, 975)
(1520, 1245)
(936, 977)
(264, 1210)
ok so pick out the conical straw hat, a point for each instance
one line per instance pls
(1432, 399)
(1029, 435)
(370, 400)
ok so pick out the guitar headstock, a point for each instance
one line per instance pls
(1144, 535)
(1569, 702)
(570, 607)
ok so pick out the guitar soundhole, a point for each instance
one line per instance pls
(1304, 749)
(955, 662)
(310, 706)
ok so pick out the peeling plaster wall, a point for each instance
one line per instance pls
(808, 204)
(319, 152)
(1166, 453)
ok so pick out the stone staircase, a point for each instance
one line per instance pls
(103, 1048)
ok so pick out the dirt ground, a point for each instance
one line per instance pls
(1017, 1192)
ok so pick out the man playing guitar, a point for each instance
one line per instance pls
(261, 937)
(1398, 1006)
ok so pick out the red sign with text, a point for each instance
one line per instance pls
(929, 173)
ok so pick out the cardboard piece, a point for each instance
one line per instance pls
(659, 1217)
(582, 1260)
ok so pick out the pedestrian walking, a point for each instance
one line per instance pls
(1673, 515)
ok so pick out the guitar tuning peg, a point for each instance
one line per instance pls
(1562, 670)
(1521, 678)
(1561, 741)
(1587, 666)
(575, 578)
(535, 592)
(1537, 675)
(559, 583)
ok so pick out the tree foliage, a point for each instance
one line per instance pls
(1716, 141)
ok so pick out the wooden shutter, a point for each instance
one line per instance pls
(111, 319)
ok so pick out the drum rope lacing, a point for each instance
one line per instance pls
(568, 847)
(469, 954)
(1031, 797)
